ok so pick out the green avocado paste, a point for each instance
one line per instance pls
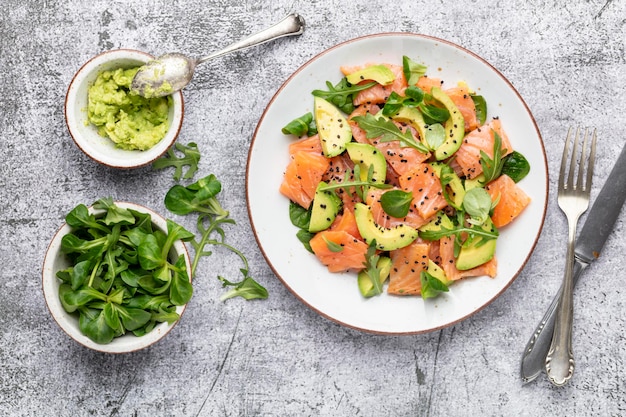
(129, 120)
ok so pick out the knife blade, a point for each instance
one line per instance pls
(597, 228)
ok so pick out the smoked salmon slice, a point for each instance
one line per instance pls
(302, 176)
(481, 139)
(428, 197)
(513, 200)
(350, 257)
(407, 265)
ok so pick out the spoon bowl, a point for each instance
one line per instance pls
(173, 71)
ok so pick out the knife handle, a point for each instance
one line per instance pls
(536, 350)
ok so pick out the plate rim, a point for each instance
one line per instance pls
(464, 50)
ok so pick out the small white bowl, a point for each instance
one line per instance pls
(55, 261)
(86, 136)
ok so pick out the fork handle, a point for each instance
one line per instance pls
(534, 356)
(560, 359)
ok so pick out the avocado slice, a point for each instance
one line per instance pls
(477, 252)
(386, 238)
(366, 155)
(438, 272)
(332, 126)
(325, 207)
(413, 117)
(440, 220)
(477, 182)
(454, 126)
(366, 286)
(455, 188)
(379, 73)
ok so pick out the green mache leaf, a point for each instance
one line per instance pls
(304, 236)
(299, 216)
(150, 253)
(112, 318)
(396, 203)
(431, 286)
(190, 159)
(413, 71)
(163, 315)
(181, 289)
(151, 286)
(435, 136)
(82, 296)
(300, 126)
(114, 214)
(150, 302)
(71, 243)
(516, 166)
(80, 217)
(93, 324)
(80, 274)
(132, 318)
(477, 204)
(433, 114)
(413, 98)
(180, 200)
(177, 232)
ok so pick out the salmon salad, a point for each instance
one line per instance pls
(402, 179)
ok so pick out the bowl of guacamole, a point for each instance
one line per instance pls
(113, 126)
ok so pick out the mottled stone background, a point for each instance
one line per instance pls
(277, 357)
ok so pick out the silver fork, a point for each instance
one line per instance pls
(573, 199)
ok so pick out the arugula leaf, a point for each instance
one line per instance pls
(190, 159)
(372, 269)
(396, 203)
(481, 108)
(342, 94)
(249, 289)
(458, 231)
(332, 246)
(375, 127)
(413, 71)
(359, 187)
(492, 167)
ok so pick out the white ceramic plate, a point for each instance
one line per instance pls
(336, 296)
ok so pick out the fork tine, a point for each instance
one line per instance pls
(564, 159)
(581, 164)
(592, 160)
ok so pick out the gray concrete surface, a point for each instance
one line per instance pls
(276, 357)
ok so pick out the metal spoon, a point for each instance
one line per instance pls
(172, 72)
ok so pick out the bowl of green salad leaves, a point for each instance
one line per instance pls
(111, 124)
(116, 276)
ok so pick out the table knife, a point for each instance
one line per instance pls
(596, 230)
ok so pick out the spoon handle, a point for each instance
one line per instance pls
(291, 25)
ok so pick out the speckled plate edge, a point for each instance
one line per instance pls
(336, 296)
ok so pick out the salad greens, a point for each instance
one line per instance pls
(122, 277)
(201, 198)
(342, 94)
